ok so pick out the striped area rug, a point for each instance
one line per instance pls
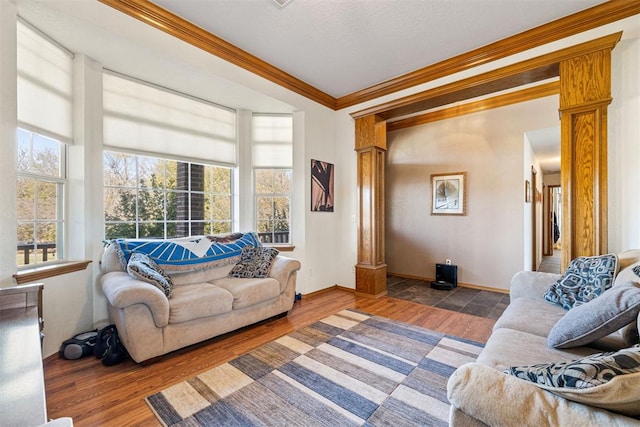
(349, 369)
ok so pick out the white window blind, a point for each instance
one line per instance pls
(45, 85)
(272, 140)
(144, 117)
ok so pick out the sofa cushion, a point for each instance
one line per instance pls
(614, 309)
(144, 268)
(508, 347)
(520, 312)
(255, 262)
(606, 380)
(198, 300)
(247, 292)
(585, 279)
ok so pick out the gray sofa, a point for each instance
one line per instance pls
(481, 394)
(204, 303)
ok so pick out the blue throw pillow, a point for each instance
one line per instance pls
(585, 279)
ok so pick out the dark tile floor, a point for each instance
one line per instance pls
(464, 300)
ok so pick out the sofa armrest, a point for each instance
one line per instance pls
(122, 291)
(531, 284)
(499, 399)
(282, 268)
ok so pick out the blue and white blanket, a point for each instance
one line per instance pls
(188, 253)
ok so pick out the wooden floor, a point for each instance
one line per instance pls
(96, 395)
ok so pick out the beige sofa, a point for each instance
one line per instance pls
(204, 303)
(481, 394)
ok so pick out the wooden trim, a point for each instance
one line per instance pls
(160, 18)
(281, 248)
(514, 75)
(174, 25)
(523, 95)
(588, 19)
(41, 273)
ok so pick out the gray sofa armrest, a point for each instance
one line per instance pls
(282, 268)
(531, 284)
(122, 291)
(498, 399)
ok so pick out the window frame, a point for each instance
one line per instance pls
(167, 223)
(60, 182)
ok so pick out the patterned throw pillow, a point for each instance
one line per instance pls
(143, 268)
(585, 279)
(636, 270)
(255, 262)
(605, 380)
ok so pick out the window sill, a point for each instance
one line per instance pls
(39, 273)
(281, 248)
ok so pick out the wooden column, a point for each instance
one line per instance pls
(371, 145)
(585, 93)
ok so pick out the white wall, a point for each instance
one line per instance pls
(489, 147)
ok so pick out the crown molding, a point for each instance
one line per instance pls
(525, 72)
(515, 97)
(160, 18)
(174, 25)
(605, 13)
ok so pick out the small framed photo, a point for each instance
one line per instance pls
(449, 193)
(527, 191)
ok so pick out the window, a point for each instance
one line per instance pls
(40, 197)
(272, 156)
(151, 197)
(44, 96)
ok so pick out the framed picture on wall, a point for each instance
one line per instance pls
(527, 191)
(449, 193)
(321, 186)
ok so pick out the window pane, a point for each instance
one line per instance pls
(26, 233)
(172, 205)
(25, 199)
(264, 181)
(150, 172)
(171, 229)
(47, 200)
(120, 231)
(120, 169)
(265, 226)
(151, 230)
(282, 181)
(221, 207)
(281, 208)
(46, 156)
(221, 227)
(171, 174)
(221, 180)
(23, 150)
(265, 207)
(47, 233)
(122, 204)
(151, 205)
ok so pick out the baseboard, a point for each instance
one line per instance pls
(460, 284)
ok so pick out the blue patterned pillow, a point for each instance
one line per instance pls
(143, 268)
(255, 262)
(605, 380)
(585, 279)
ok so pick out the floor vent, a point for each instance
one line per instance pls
(282, 3)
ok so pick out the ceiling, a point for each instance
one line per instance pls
(342, 46)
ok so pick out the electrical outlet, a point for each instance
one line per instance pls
(448, 262)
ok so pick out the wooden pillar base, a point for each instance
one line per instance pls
(371, 281)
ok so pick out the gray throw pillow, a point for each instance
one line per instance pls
(143, 268)
(614, 309)
(585, 279)
(255, 262)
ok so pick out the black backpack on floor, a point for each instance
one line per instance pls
(108, 347)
